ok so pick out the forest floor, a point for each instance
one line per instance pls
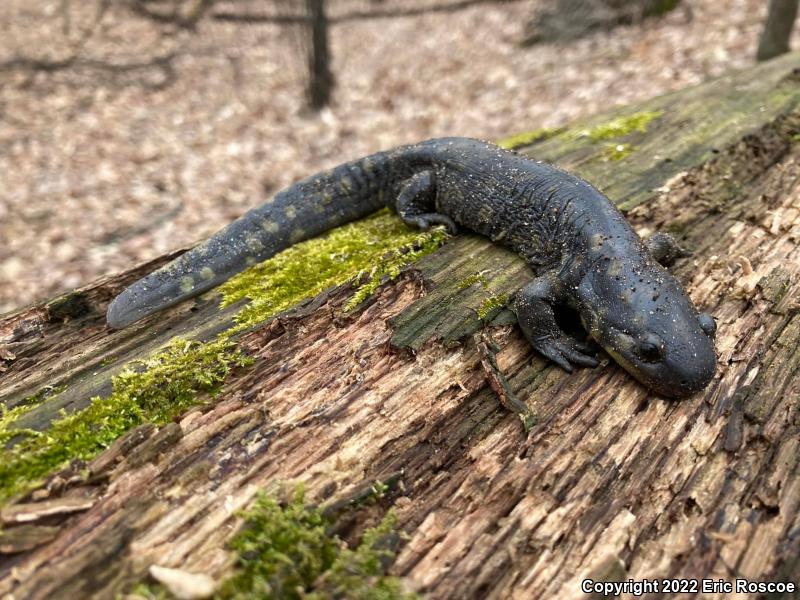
(155, 137)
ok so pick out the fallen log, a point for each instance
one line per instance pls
(607, 483)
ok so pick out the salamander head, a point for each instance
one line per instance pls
(642, 317)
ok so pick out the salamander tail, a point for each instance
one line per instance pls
(302, 211)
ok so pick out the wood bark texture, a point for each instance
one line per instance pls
(610, 483)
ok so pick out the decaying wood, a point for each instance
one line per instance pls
(609, 482)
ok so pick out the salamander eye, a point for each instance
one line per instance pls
(651, 348)
(707, 324)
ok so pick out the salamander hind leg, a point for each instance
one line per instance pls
(665, 249)
(534, 308)
(416, 202)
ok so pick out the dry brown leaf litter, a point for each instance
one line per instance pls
(103, 168)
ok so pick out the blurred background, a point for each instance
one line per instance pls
(132, 127)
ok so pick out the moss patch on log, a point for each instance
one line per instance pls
(372, 250)
(620, 126)
(472, 280)
(490, 307)
(162, 388)
(529, 137)
(9, 416)
(391, 264)
(615, 128)
(285, 551)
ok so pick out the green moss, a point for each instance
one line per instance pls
(616, 151)
(47, 392)
(472, 280)
(529, 420)
(379, 490)
(775, 285)
(163, 387)
(9, 416)
(285, 551)
(491, 306)
(529, 137)
(391, 264)
(108, 360)
(620, 126)
(363, 496)
(375, 249)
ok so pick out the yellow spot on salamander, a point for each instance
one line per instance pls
(615, 267)
(597, 241)
(297, 235)
(187, 284)
(485, 214)
(347, 184)
(270, 226)
(254, 244)
(290, 212)
(250, 260)
(207, 273)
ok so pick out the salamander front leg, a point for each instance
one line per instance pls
(665, 249)
(534, 308)
(417, 200)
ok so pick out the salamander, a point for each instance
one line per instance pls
(582, 251)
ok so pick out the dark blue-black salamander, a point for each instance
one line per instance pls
(583, 252)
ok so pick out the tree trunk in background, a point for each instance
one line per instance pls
(777, 29)
(321, 81)
(611, 482)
